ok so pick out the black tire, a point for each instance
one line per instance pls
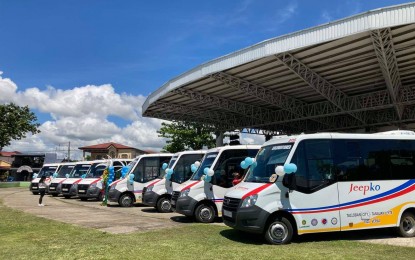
(66, 196)
(126, 200)
(35, 193)
(205, 213)
(163, 205)
(84, 199)
(54, 195)
(279, 231)
(100, 197)
(406, 226)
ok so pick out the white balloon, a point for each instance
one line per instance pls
(279, 170)
(197, 163)
(210, 172)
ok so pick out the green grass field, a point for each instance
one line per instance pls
(23, 236)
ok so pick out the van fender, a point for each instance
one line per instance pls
(162, 191)
(403, 209)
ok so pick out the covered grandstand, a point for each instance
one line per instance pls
(354, 74)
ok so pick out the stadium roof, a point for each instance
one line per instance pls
(354, 73)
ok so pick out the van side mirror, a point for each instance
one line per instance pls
(289, 181)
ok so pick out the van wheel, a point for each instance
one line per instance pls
(164, 205)
(100, 197)
(279, 231)
(407, 225)
(126, 200)
(205, 213)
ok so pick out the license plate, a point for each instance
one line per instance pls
(34, 188)
(81, 191)
(227, 213)
(51, 188)
(65, 189)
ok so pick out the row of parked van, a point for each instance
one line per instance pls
(295, 184)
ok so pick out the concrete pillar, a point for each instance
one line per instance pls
(219, 139)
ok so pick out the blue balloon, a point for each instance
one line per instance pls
(164, 166)
(243, 165)
(83, 176)
(55, 175)
(249, 160)
(169, 171)
(290, 168)
(131, 180)
(111, 171)
(205, 170)
(124, 171)
(193, 168)
(207, 178)
(67, 175)
(254, 164)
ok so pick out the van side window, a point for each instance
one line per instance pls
(163, 159)
(314, 165)
(228, 163)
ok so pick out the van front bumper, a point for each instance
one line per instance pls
(252, 219)
(114, 195)
(91, 192)
(185, 206)
(150, 198)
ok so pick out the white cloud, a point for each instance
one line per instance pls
(81, 116)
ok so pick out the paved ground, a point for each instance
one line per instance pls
(116, 220)
(91, 214)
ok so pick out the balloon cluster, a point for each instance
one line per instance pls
(164, 166)
(111, 174)
(209, 173)
(169, 173)
(34, 176)
(286, 169)
(131, 180)
(83, 176)
(124, 171)
(55, 175)
(194, 166)
(247, 162)
(67, 175)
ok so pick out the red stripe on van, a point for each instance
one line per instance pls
(97, 180)
(151, 184)
(257, 190)
(190, 185)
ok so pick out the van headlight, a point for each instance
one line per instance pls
(93, 185)
(249, 201)
(112, 187)
(185, 193)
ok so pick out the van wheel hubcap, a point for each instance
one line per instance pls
(165, 205)
(408, 225)
(127, 201)
(278, 232)
(205, 214)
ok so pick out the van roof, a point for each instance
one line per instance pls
(190, 152)
(396, 135)
(154, 154)
(233, 147)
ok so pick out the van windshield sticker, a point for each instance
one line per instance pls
(212, 156)
(282, 147)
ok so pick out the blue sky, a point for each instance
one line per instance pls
(136, 46)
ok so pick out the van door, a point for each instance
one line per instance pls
(314, 202)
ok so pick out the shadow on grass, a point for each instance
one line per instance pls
(258, 239)
(182, 219)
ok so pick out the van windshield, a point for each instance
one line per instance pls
(47, 171)
(96, 170)
(207, 162)
(79, 170)
(65, 169)
(267, 159)
(171, 163)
